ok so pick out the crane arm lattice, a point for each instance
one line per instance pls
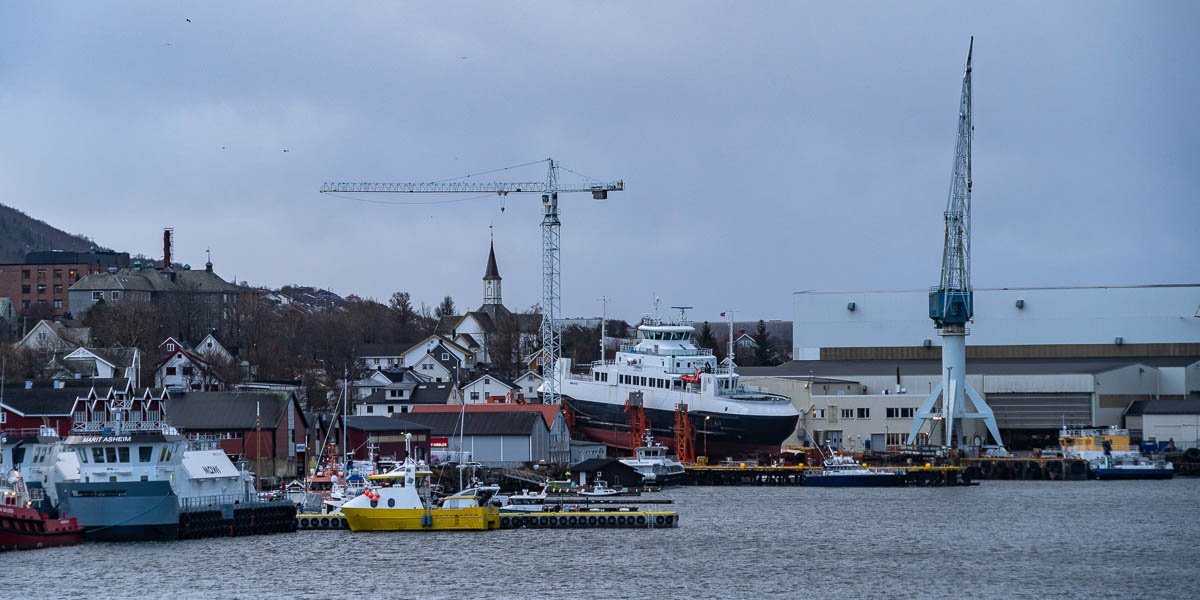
(465, 187)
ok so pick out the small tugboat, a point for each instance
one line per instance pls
(1110, 455)
(22, 527)
(395, 503)
(652, 461)
(600, 488)
(842, 471)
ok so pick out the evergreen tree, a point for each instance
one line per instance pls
(706, 339)
(764, 353)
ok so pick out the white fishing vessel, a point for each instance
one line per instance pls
(670, 370)
(654, 463)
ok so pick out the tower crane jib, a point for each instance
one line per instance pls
(551, 334)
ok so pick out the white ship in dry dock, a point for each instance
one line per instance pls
(667, 367)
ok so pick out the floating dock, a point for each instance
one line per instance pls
(612, 519)
(605, 519)
(319, 521)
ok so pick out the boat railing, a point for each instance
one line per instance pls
(42, 431)
(201, 503)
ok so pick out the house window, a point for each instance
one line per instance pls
(864, 413)
(58, 273)
(58, 304)
(847, 413)
(391, 409)
(58, 288)
(170, 347)
(188, 371)
(3, 417)
(370, 409)
(474, 395)
(170, 370)
(895, 439)
(24, 304)
(486, 380)
(905, 412)
(445, 356)
(116, 294)
(97, 295)
(41, 288)
(818, 413)
(393, 393)
(24, 273)
(25, 289)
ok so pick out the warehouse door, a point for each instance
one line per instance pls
(1040, 411)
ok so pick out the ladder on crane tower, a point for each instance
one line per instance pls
(551, 329)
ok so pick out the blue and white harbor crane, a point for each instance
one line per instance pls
(951, 302)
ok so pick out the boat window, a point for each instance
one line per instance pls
(145, 453)
(123, 451)
(110, 454)
(97, 455)
(82, 455)
(162, 454)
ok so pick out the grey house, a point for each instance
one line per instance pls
(493, 439)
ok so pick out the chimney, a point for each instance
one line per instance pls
(168, 245)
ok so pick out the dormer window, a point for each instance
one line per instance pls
(170, 347)
(445, 356)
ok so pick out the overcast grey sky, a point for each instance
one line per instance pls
(766, 147)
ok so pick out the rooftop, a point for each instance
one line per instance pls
(989, 366)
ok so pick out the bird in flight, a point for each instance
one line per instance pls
(285, 149)
(188, 20)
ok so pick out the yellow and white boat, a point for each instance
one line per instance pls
(393, 502)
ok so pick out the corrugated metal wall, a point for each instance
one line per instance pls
(1040, 411)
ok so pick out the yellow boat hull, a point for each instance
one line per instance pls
(413, 519)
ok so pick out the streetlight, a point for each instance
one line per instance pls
(706, 418)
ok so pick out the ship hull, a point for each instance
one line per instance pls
(720, 435)
(873, 480)
(1118, 473)
(417, 519)
(122, 511)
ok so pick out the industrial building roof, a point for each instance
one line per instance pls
(989, 366)
(477, 423)
(549, 412)
(228, 410)
(1190, 406)
(382, 423)
(41, 401)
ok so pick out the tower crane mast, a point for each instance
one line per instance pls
(951, 303)
(549, 189)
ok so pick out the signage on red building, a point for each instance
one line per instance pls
(439, 442)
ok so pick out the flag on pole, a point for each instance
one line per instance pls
(722, 314)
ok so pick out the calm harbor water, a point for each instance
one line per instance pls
(998, 540)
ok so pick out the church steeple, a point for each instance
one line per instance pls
(491, 279)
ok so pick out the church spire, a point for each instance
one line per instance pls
(491, 279)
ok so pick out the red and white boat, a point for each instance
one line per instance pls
(22, 527)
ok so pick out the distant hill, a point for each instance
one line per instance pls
(21, 233)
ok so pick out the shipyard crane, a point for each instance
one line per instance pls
(951, 302)
(551, 262)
